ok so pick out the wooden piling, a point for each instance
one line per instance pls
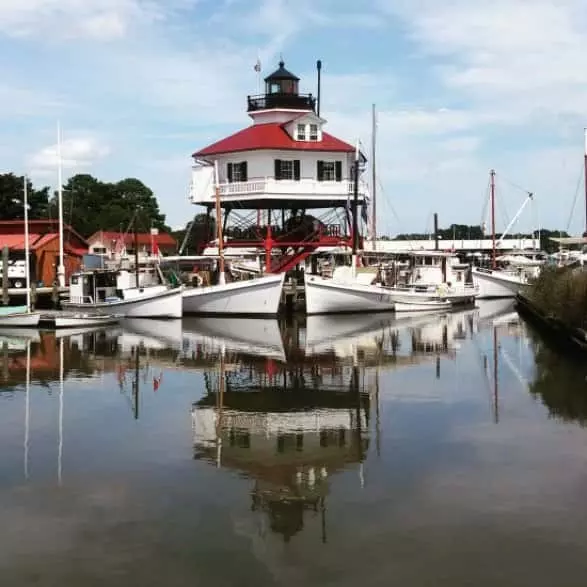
(5, 298)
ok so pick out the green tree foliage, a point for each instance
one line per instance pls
(12, 188)
(90, 205)
(454, 231)
(199, 234)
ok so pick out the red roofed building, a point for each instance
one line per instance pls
(282, 166)
(44, 247)
(114, 245)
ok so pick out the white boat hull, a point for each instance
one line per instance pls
(423, 306)
(325, 296)
(259, 297)
(20, 320)
(83, 321)
(496, 284)
(159, 304)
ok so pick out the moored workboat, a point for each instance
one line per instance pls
(97, 293)
(260, 296)
(327, 296)
(495, 283)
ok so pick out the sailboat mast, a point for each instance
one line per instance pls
(219, 224)
(27, 266)
(136, 239)
(373, 177)
(585, 163)
(356, 205)
(493, 257)
(61, 267)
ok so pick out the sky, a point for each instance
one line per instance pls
(460, 87)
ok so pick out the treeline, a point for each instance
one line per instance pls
(89, 204)
(476, 232)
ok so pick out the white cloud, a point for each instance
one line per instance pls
(76, 153)
(94, 19)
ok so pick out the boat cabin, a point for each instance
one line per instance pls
(89, 287)
(435, 268)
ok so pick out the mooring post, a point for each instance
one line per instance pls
(5, 298)
(33, 294)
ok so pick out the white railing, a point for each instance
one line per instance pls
(293, 187)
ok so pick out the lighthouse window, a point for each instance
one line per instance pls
(301, 132)
(329, 170)
(287, 170)
(236, 172)
(313, 132)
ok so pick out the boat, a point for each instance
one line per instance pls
(443, 273)
(422, 305)
(122, 293)
(348, 290)
(329, 296)
(18, 316)
(79, 320)
(22, 316)
(498, 283)
(96, 293)
(503, 283)
(259, 296)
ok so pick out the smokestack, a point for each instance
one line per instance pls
(319, 68)
(435, 231)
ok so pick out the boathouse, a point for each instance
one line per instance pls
(114, 245)
(44, 247)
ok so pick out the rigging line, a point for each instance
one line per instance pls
(575, 199)
(485, 205)
(514, 185)
(393, 211)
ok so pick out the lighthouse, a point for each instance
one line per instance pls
(285, 185)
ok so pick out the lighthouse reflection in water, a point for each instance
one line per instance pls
(152, 451)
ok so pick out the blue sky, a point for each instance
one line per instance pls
(460, 87)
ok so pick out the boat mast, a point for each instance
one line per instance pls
(373, 178)
(585, 162)
(61, 267)
(355, 207)
(27, 273)
(493, 257)
(221, 277)
(136, 239)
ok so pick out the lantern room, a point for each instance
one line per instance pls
(282, 92)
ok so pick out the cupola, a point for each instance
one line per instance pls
(281, 93)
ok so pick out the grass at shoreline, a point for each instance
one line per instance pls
(562, 294)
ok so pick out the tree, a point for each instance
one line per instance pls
(12, 188)
(200, 234)
(90, 205)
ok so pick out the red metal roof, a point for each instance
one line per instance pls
(271, 135)
(163, 239)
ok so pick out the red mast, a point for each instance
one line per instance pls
(492, 175)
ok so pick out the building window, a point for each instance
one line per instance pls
(329, 170)
(301, 132)
(313, 132)
(287, 169)
(99, 250)
(236, 172)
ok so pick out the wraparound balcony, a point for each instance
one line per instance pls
(262, 192)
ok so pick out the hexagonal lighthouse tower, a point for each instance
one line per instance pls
(285, 186)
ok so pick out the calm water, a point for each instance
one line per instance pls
(353, 451)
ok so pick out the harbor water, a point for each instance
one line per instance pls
(354, 450)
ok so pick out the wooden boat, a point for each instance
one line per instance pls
(18, 316)
(100, 292)
(414, 305)
(80, 320)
